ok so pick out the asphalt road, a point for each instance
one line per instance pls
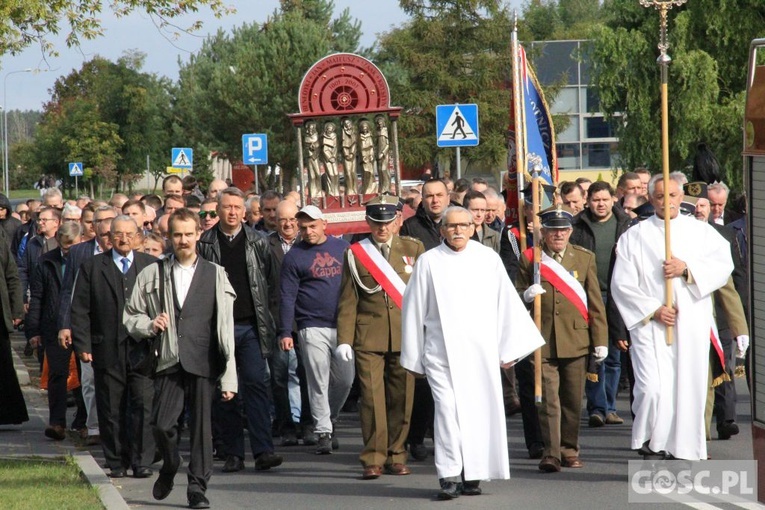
(307, 481)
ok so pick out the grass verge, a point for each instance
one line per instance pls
(41, 483)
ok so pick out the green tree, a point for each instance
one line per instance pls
(248, 81)
(27, 22)
(111, 117)
(450, 52)
(709, 41)
(546, 20)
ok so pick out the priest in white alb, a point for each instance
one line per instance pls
(451, 286)
(670, 380)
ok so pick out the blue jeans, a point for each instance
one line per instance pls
(601, 396)
(253, 391)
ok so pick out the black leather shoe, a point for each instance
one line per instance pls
(418, 451)
(550, 465)
(142, 472)
(267, 460)
(449, 490)
(233, 464)
(198, 500)
(471, 488)
(162, 486)
(118, 472)
(726, 429)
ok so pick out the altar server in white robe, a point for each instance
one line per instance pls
(670, 380)
(450, 286)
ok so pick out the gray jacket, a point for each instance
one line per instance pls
(144, 305)
(263, 274)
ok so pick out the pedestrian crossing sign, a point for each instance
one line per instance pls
(182, 157)
(75, 169)
(457, 125)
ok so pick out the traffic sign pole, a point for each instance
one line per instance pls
(257, 186)
(459, 163)
(76, 188)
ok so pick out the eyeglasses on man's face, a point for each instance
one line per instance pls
(205, 214)
(124, 235)
(457, 226)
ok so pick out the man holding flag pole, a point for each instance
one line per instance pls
(566, 293)
(534, 140)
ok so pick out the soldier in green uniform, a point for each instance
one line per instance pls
(573, 326)
(375, 272)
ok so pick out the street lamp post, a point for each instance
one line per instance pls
(663, 6)
(6, 169)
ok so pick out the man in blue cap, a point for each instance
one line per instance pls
(375, 272)
(573, 326)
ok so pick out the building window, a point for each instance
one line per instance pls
(599, 155)
(597, 127)
(568, 156)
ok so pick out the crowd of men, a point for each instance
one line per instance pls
(298, 318)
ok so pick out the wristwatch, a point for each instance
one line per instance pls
(685, 273)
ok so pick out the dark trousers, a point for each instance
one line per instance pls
(58, 373)
(124, 405)
(423, 412)
(725, 393)
(172, 388)
(251, 368)
(524, 372)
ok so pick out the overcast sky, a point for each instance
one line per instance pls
(28, 91)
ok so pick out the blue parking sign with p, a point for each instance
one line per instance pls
(255, 149)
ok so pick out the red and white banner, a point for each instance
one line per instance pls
(562, 280)
(380, 269)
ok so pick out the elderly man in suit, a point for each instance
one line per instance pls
(102, 286)
(375, 272)
(573, 326)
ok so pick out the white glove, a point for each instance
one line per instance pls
(742, 341)
(344, 352)
(601, 352)
(533, 291)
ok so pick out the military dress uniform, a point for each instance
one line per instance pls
(370, 322)
(569, 341)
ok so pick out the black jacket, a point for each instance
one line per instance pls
(263, 278)
(78, 254)
(45, 288)
(582, 225)
(97, 306)
(9, 224)
(422, 227)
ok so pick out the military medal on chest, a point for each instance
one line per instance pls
(409, 261)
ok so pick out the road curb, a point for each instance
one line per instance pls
(107, 492)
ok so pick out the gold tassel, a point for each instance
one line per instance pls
(719, 380)
(592, 377)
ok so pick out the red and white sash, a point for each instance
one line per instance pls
(563, 281)
(380, 269)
